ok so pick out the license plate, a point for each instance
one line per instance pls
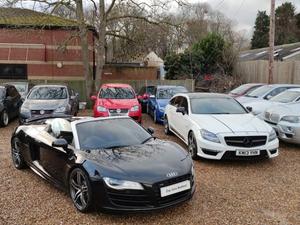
(175, 188)
(247, 153)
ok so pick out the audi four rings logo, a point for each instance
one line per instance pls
(172, 174)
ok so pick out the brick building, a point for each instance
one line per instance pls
(35, 45)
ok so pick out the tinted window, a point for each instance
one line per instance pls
(48, 93)
(275, 92)
(287, 96)
(12, 92)
(2, 92)
(110, 133)
(216, 106)
(184, 103)
(117, 93)
(167, 93)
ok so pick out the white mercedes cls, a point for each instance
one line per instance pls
(215, 126)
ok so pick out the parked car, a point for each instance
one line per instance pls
(288, 96)
(143, 96)
(112, 163)
(161, 97)
(117, 100)
(265, 92)
(285, 119)
(244, 89)
(49, 99)
(10, 102)
(22, 87)
(216, 126)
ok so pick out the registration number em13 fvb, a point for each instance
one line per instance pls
(175, 188)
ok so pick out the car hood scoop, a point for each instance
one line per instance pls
(145, 163)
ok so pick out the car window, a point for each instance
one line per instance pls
(167, 93)
(48, 93)
(286, 96)
(275, 92)
(261, 91)
(241, 89)
(117, 93)
(173, 100)
(184, 103)
(150, 90)
(216, 106)
(2, 92)
(22, 88)
(12, 92)
(110, 133)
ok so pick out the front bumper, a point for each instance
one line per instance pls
(217, 151)
(118, 201)
(137, 116)
(160, 116)
(288, 132)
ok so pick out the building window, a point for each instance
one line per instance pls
(13, 71)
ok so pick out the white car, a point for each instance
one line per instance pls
(288, 96)
(285, 119)
(215, 126)
(265, 92)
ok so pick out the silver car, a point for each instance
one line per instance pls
(285, 119)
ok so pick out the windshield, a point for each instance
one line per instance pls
(241, 89)
(286, 97)
(2, 92)
(22, 88)
(216, 106)
(110, 133)
(48, 93)
(261, 91)
(167, 93)
(117, 93)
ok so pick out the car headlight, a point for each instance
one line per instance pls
(101, 109)
(207, 135)
(134, 108)
(291, 119)
(24, 110)
(122, 184)
(272, 135)
(60, 109)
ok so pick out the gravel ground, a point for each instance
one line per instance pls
(258, 192)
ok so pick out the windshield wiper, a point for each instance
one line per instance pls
(147, 139)
(117, 146)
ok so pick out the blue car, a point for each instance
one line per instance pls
(161, 97)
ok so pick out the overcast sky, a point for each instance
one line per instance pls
(243, 12)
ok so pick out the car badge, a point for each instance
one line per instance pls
(118, 110)
(42, 112)
(171, 174)
(247, 142)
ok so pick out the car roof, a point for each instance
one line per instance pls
(192, 95)
(283, 85)
(50, 85)
(294, 89)
(169, 86)
(115, 85)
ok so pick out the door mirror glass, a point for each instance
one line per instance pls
(181, 110)
(60, 143)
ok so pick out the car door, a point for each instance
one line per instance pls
(53, 160)
(182, 120)
(171, 113)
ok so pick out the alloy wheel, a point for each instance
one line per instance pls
(192, 145)
(16, 155)
(79, 190)
(5, 118)
(166, 126)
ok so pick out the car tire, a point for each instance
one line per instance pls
(166, 126)
(80, 190)
(192, 145)
(16, 154)
(4, 119)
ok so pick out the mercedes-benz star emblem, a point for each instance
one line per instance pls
(247, 142)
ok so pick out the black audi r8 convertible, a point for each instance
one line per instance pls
(112, 163)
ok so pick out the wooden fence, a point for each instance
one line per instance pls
(287, 72)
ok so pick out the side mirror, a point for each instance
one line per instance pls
(93, 98)
(268, 97)
(146, 96)
(181, 110)
(60, 143)
(150, 130)
(249, 108)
